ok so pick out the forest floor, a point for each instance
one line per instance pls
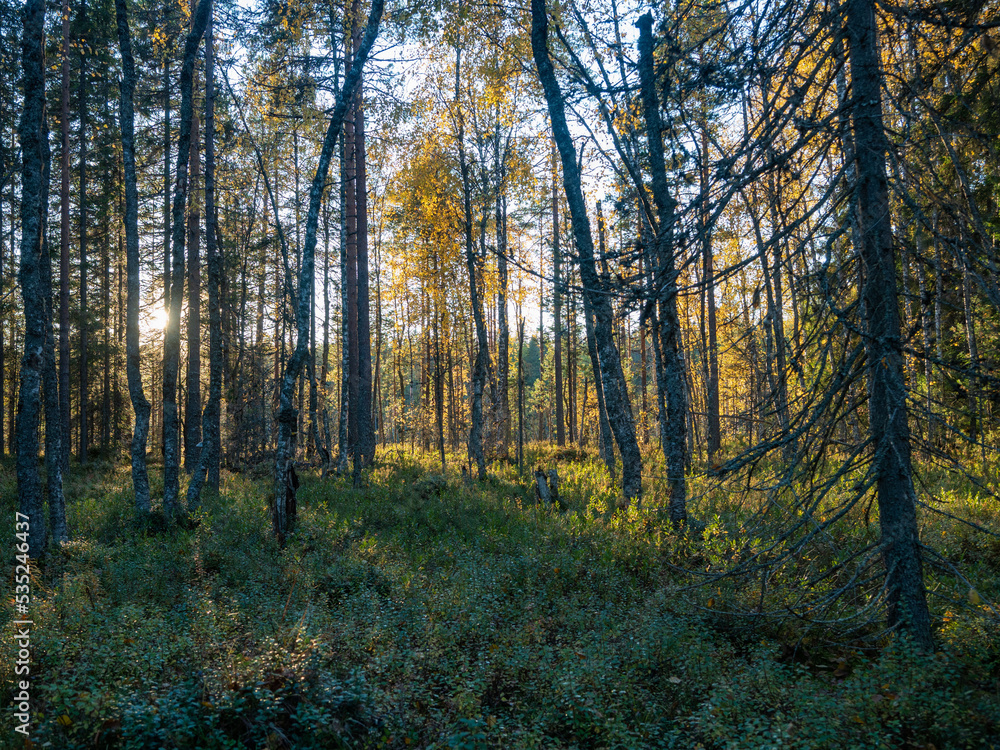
(424, 612)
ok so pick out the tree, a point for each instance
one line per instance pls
(171, 345)
(34, 275)
(287, 416)
(673, 385)
(888, 424)
(612, 376)
(140, 404)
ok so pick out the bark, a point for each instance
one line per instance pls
(140, 404)
(607, 447)
(365, 448)
(64, 232)
(557, 306)
(673, 381)
(192, 402)
(286, 415)
(171, 428)
(708, 279)
(50, 377)
(616, 395)
(520, 397)
(482, 361)
(350, 219)
(84, 326)
(889, 429)
(503, 329)
(3, 358)
(210, 454)
(31, 136)
(166, 216)
(345, 333)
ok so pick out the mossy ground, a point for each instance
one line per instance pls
(411, 615)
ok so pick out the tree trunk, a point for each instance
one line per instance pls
(708, 279)
(210, 453)
(286, 415)
(140, 405)
(665, 278)
(607, 447)
(482, 361)
(166, 218)
(365, 449)
(192, 404)
(171, 428)
(64, 232)
(84, 312)
(503, 329)
(889, 430)
(613, 377)
(343, 430)
(557, 306)
(32, 135)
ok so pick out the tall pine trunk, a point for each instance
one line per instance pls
(172, 343)
(140, 404)
(64, 232)
(888, 427)
(84, 312)
(192, 403)
(32, 134)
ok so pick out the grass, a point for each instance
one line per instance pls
(416, 614)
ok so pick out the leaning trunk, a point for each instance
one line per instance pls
(287, 416)
(612, 375)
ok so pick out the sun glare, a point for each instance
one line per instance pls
(154, 321)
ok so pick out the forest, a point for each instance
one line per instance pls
(500, 374)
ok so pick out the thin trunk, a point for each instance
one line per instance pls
(106, 325)
(166, 217)
(365, 451)
(482, 361)
(520, 397)
(607, 448)
(350, 219)
(708, 280)
(140, 404)
(64, 232)
(674, 383)
(557, 305)
(616, 394)
(210, 453)
(84, 325)
(287, 417)
(192, 405)
(889, 429)
(171, 427)
(345, 333)
(503, 332)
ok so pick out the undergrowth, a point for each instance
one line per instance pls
(424, 611)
